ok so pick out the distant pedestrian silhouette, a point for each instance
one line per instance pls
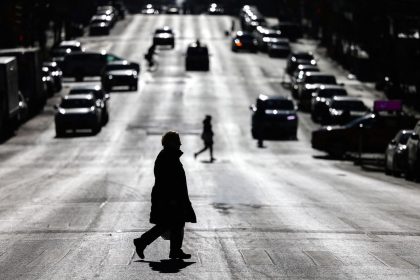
(207, 137)
(171, 206)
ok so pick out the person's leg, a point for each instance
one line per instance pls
(211, 152)
(177, 237)
(148, 237)
(202, 150)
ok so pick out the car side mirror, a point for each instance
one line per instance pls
(252, 108)
(341, 84)
(107, 96)
(56, 106)
(393, 142)
(415, 136)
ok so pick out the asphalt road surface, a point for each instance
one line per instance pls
(70, 207)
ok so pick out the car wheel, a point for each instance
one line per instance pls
(59, 132)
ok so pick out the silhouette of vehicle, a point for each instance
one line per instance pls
(266, 36)
(88, 64)
(244, 41)
(413, 147)
(279, 48)
(82, 111)
(298, 75)
(321, 96)
(56, 74)
(343, 109)
(396, 154)
(297, 58)
(311, 81)
(120, 73)
(367, 134)
(290, 30)
(164, 37)
(58, 52)
(273, 117)
(100, 96)
(197, 57)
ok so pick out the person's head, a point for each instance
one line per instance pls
(171, 140)
(208, 118)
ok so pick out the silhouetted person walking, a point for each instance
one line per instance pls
(171, 206)
(207, 137)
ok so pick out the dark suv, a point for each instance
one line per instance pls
(197, 57)
(413, 147)
(88, 64)
(274, 117)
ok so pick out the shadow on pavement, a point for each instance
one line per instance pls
(167, 266)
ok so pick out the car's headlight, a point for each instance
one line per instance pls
(336, 112)
(61, 111)
(291, 117)
(110, 77)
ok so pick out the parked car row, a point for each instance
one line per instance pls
(105, 19)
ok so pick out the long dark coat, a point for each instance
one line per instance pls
(170, 201)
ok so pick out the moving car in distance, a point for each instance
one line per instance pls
(273, 117)
(101, 96)
(244, 41)
(82, 111)
(215, 9)
(164, 37)
(321, 96)
(197, 57)
(279, 48)
(311, 81)
(64, 48)
(297, 58)
(173, 10)
(367, 134)
(120, 73)
(149, 9)
(396, 154)
(89, 64)
(56, 74)
(343, 109)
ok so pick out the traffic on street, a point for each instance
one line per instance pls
(200, 140)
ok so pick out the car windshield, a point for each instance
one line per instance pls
(158, 31)
(328, 93)
(365, 120)
(326, 80)
(353, 105)
(281, 105)
(97, 93)
(197, 51)
(274, 35)
(305, 56)
(77, 103)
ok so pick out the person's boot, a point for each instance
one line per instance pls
(179, 254)
(140, 246)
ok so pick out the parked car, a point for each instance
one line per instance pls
(64, 48)
(197, 57)
(413, 157)
(47, 81)
(99, 29)
(279, 48)
(244, 41)
(343, 109)
(100, 95)
(298, 75)
(120, 73)
(319, 107)
(299, 58)
(56, 74)
(311, 81)
(396, 154)
(81, 111)
(273, 117)
(164, 36)
(89, 64)
(265, 36)
(367, 134)
(290, 30)
(173, 10)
